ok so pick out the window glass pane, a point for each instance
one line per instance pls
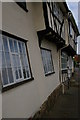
(22, 59)
(8, 62)
(27, 72)
(47, 61)
(25, 60)
(64, 60)
(15, 46)
(3, 61)
(44, 60)
(11, 45)
(4, 76)
(20, 47)
(5, 43)
(23, 48)
(16, 73)
(24, 73)
(20, 74)
(10, 75)
(14, 63)
(17, 60)
(50, 62)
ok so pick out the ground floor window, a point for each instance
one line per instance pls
(14, 62)
(64, 58)
(47, 61)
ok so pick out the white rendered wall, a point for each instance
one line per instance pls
(24, 100)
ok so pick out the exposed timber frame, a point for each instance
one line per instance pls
(49, 33)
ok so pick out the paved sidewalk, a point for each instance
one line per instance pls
(68, 105)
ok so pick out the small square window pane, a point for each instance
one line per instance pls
(8, 62)
(10, 75)
(5, 43)
(4, 76)
(11, 45)
(15, 46)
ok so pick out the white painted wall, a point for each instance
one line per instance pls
(78, 45)
(23, 101)
(0, 105)
(1, 63)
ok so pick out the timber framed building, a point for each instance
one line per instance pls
(37, 43)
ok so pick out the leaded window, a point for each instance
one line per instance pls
(64, 60)
(14, 63)
(47, 61)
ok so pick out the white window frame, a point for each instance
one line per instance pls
(46, 60)
(64, 56)
(27, 65)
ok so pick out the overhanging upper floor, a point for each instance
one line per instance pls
(69, 50)
(51, 35)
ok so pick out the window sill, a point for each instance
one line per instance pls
(64, 69)
(49, 73)
(4, 89)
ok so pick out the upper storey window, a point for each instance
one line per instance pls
(58, 12)
(47, 61)
(70, 29)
